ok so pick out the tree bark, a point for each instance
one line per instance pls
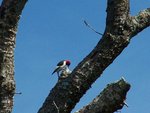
(120, 28)
(111, 99)
(10, 11)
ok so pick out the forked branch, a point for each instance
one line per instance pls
(116, 38)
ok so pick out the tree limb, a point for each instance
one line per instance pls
(141, 21)
(109, 100)
(10, 11)
(117, 36)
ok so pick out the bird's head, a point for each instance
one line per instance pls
(68, 63)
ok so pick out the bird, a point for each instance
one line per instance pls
(62, 66)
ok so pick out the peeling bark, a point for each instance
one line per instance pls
(119, 30)
(10, 11)
(109, 100)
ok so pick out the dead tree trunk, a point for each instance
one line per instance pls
(10, 11)
(120, 28)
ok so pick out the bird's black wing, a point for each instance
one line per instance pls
(60, 63)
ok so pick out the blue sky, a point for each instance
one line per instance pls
(52, 30)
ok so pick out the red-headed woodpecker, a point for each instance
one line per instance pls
(62, 66)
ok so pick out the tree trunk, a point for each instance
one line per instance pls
(10, 11)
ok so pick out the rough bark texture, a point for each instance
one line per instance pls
(110, 99)
(120, 28)
(10, 11)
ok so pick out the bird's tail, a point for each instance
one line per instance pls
(55, 71)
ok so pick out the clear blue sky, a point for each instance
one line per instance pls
(52, 30)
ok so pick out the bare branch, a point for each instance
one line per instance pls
(141, 21)
(111, 99)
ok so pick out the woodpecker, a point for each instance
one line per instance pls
(62, 66)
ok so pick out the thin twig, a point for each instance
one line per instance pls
(125, 104)
(56, 106)
(18, 93)
(88, 25)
